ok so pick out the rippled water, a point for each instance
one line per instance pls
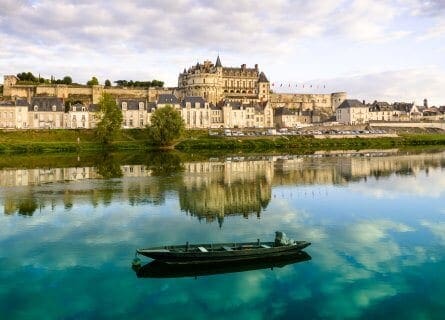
(376, 222)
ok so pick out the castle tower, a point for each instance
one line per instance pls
(337, 99)
(8, 82)
(263, 87)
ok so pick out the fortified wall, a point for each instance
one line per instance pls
(84, 94)
(323, 102)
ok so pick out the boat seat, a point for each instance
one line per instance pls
(227, 248)
(265, 246)
(202, 249)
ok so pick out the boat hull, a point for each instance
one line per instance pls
(159, 269)
(173, 255)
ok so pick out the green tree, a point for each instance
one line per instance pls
(110, 119)
(166, 126)
(93, 82)
(107, 83)
(67, 80)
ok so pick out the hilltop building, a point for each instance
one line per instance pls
(217, 83)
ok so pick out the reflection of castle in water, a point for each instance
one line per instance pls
(209, 190)
(216, 189)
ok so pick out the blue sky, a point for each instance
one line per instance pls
(385, 50)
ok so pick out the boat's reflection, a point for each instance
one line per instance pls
(157, 269)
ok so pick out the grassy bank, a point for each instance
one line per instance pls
(84, 141)
(66, 141)
(308, 144)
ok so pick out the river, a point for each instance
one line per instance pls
(376, 221)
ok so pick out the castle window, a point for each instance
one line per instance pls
(83, 109)
(141, 106)
(74, 109)
(54, 108)
(124, 106)
(204, 80)
(36, 108)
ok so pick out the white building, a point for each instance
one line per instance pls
(352, 112)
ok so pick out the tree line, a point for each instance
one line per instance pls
(29, 77)
(131, 83)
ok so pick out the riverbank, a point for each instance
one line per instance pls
(75, 141)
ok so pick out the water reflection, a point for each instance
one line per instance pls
(209, 190)
(377, 230)
(157, 269)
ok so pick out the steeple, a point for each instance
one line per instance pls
(218, 62)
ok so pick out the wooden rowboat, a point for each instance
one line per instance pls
(220, 252)
(159, 269)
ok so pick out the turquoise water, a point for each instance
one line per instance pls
(376, 222)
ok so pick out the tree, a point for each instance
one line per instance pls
(107, 83)
(93, 82)
(166, 126)
(110, 119)
(67, 80)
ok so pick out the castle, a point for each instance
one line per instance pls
(216, 83)
(208, 96)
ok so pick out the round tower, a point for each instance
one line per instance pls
(337, 98)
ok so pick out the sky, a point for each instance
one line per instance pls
(389, 50)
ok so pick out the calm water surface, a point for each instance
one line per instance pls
(376, 222)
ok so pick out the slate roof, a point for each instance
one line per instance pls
(403, 106)
(93, 108)
(218, 62)
(7, 103)
(132, 104)
(46, 104)
(215, 106)
(78, 106)
(167, 98)
(151, 106)
(22, 103)
(193, 101)
(262, 77)
(351, 103)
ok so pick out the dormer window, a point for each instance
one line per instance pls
(74, 109)
(141, 106)
(54, 107)
(36, 108)
(124, 106)
(83, 109)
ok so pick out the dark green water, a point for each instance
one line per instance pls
(376, 222)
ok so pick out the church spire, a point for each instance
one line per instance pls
(218, 62)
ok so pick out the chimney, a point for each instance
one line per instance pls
(364, 102)
(256, 66)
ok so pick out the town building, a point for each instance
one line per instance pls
(46, 113)
(352, 112)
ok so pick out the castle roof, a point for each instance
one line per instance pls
(218, 62)
(167, 98)
(262, 77)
